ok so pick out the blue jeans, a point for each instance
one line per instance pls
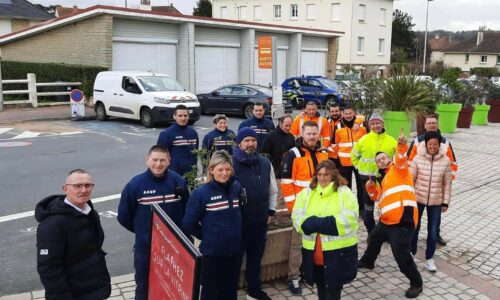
(433, 223)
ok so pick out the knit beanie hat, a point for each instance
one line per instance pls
(376, 117)
(245, 132)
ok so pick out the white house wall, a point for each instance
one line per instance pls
(5, 26)
(458, 60)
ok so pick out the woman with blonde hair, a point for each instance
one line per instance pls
(213, 215)
(326, 213)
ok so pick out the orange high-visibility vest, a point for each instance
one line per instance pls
(396, 190)
(332, 150)
(345, 139)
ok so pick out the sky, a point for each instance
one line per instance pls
(454, 15)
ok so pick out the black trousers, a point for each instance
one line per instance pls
(368, 217)
(399, 238)
(218, 280)
(347, 172)
(253, 245)
(324, 292)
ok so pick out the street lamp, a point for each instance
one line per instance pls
(425, 39)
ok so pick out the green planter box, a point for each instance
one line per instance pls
(448, 116)
(480, 116)
(395, 120)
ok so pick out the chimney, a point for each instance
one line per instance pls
(145, 5)
(480, 35)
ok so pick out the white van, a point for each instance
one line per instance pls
(143, 96)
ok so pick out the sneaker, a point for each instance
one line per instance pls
(440, 241)
(364, 265)
(259, 296)
(294, 287)
(413, 292)
(430, 265)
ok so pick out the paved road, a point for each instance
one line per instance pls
(35, 158)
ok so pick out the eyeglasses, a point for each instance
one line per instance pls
(79, 186)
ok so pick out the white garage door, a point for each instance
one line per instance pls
(264, 76)
(160, 58)
(313, 63)
(215, 67)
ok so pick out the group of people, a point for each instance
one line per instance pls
(308, 162)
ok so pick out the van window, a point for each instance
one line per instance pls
(129, 85)
(159, 83)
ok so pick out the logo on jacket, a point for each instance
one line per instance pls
(149, 192)
(216, 197)
(179, 137)
(44, 251)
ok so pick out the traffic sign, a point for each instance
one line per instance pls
(77, 103)
(76, 95)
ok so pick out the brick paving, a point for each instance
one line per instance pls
(468, 267)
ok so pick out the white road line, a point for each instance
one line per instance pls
(26, 135)
(32, 213)
(70, 132)
(4, 130)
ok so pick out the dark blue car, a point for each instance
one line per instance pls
(315, 88)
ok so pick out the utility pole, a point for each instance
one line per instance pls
(1, 89)
(425, 39)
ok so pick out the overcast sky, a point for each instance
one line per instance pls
(443, 14)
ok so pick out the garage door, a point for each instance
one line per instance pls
(264, 76)
(160, 58)
(215, 67)
(313, 63)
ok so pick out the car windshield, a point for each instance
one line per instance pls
(159, 84)
(329, 83)
(266, 91)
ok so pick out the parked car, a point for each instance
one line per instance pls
(315, 88)
(495, 80)
(143, 96)
(238, 99)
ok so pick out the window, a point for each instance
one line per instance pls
(484, 59)
(466, 58)
(311, 11)
(243, 13)
(361, 45)
(362, 13)
(335, 11)
(381, 46)
(129, 85)
(314, 84)
(383, 16)
(225, 91)
(498, 59)
(257, 12)
(294, 11)
(223, 12)
(277, 11)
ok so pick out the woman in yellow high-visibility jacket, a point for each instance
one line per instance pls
(326, 214)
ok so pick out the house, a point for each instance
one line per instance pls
(18, 14)
(367, 24)
(482, 51)
(202, 53)
(437, 46)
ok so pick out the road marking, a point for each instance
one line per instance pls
(27, 214)
(135, 134)
(4, 130)
(70, 132)
(26, 135)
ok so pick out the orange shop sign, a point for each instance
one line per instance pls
(265, 44)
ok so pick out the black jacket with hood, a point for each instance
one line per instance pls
(70, 260)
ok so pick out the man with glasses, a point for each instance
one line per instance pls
(157, 185)
(70, 259)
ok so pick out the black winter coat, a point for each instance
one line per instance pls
(276, 145)
(70, 260)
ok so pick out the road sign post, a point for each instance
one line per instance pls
(77, 101)
(268, 59)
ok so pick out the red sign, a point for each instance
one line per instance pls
(265, 44)
(174, 262)
(76, 95)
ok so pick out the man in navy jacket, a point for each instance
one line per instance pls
(156, 185)
(180, 140)
(259, 123)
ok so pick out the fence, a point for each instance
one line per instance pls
(32, 92)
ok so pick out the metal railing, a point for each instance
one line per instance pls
(32, 92)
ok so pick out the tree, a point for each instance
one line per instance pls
(203, 8)
(402, 34)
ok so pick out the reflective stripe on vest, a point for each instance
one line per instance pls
(344, 154)
(289, 198)
(302, 183)
(397, 189)
(397, 205)
(296, 152)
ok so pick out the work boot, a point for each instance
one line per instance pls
(294, 287)
(440, 241)
(413, 292)
(364, 265)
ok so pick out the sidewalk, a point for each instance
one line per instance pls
(468, 267)
(46, 113)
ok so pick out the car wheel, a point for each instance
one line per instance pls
(248, 111)
(330, 100)
(147, 117)
(100, 112)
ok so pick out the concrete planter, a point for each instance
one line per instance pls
(274, 264)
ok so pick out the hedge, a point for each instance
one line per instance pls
(51, 72)
(485, 72)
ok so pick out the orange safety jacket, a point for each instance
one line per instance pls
(445, 147)
(323, 126)
(345, 139)
(332, 150)
(395, 191)
(298, 167)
